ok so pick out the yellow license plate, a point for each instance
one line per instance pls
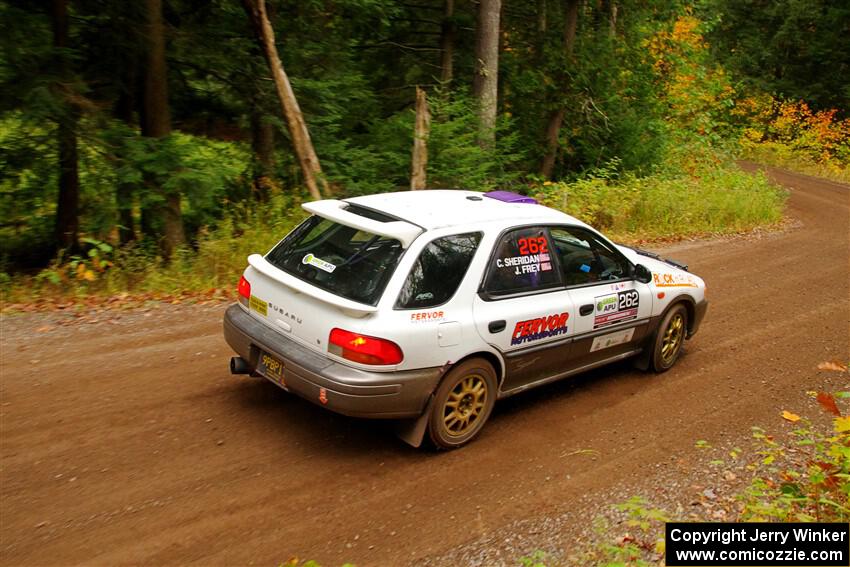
(271, 368)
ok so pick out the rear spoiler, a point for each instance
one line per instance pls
(335, 210)
(353, 308)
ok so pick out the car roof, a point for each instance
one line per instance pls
(440, 208)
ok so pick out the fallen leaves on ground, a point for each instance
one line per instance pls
(832, 366)
(792, 417)
(827, 402)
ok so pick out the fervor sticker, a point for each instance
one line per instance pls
(540, 328)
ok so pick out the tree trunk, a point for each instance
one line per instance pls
(447, 42)
(542, 27)
(421, 129)
(612, 19)
(304, 151)
(485, 83)
(262, 142)
(156, 120)
(542, 22)
(67, 206)
(556, 119)
(124, 191)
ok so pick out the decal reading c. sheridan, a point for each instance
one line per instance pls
(540, 328)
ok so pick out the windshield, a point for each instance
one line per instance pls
(340, 259)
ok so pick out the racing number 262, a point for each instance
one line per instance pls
(629, 299)
(533, 245)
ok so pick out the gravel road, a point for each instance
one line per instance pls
(127, 441)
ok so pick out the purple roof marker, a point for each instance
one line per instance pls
(509, 197)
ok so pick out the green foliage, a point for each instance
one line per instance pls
(216, 261)
(806, 482)
(638, 96)
(455, 160)
(793, 49)
(709, 197)
(221, 252)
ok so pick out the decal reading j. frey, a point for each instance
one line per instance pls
(311, 260)
(616, 308)
(540, 328)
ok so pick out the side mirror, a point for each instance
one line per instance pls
(642, 274)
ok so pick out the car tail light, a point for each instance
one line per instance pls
(244, 291)
(363, 348)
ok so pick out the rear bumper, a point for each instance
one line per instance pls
(347, 390)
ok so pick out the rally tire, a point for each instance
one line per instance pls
(669, 339)
(462, 404)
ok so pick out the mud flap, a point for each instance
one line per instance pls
(644, 359)
(641, 361)
(412, 431)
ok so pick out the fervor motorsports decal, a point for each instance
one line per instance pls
(540, 328)
(616, 308)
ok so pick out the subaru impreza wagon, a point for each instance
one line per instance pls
(428, 306)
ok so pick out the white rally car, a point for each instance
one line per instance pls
(428, 306)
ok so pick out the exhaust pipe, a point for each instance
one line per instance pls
(239, 365)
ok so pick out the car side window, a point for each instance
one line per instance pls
(438, 271)
(522, 263)
(585, 259)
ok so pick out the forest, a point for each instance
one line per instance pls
(150, 146)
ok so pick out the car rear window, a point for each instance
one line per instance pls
(346, 261)
(438, 271)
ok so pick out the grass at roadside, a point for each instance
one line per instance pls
(779, 155)
(135, 274)
(710, 198)
(707, 198)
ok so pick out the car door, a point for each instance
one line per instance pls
(522, 308)
(612, 308)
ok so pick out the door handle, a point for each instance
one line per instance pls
(586, 309)
(496, 326)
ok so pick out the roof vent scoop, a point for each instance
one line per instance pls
(509, 197)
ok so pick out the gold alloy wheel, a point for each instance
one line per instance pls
(672, 338)
(465, 405)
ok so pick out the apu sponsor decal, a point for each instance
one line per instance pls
(616, 308)
(423, 317)
(540, 328)
(673, 280)
(311, 260)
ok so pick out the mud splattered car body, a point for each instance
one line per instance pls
(428, 306)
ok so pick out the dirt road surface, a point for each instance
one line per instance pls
(127, 441)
